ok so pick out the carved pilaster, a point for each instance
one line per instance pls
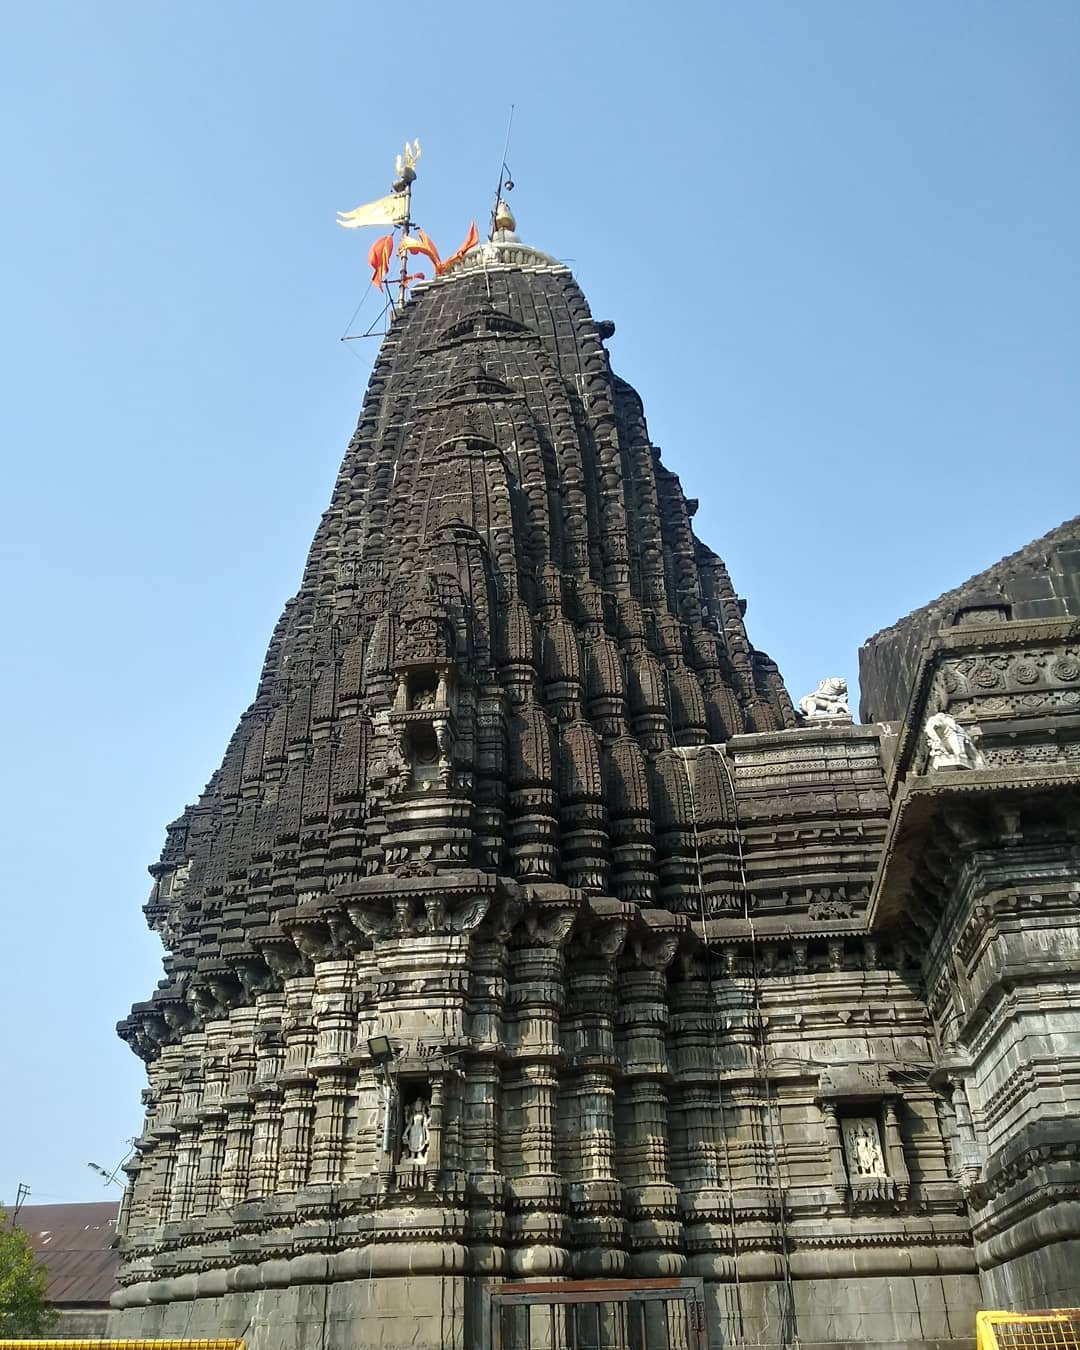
(485, 1011)
(587, 1098)
(237, 1160)
(296, 1133)
(215, 1074)
(265, 1146)
(641, 1118)
(328, 1143)
(536, 1225)
(185, 1175)
(211, 1157)
(266, 1121)
(834, 1148)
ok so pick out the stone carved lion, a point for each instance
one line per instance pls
(829, 699)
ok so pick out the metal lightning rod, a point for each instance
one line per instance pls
(505, 180)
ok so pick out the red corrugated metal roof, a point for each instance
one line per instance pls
(75, 1242)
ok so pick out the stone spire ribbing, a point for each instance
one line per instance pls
(502, 543)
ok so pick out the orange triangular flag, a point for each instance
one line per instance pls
(471, 241)
(379, 256)
(420, 243)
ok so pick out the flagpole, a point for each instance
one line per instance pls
(403, 280)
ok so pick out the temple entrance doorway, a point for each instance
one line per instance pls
(598, 1315)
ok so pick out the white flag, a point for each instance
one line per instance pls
(392, 210)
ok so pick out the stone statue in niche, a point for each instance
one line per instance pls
(951, 746)
(862, 1145)
(829, 699)
(395, 763)
(415, 1136)
(423, 700)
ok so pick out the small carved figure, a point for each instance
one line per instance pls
(951, 746)
(414, 1137)
(403, 914)
(423, 700)
(864, 1149)
(866, 1152)
(829, 699)
(435, 909)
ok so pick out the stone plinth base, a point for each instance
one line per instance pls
(1048, 1277)
(919, 1312)
(424, 1312)
(446, 1313)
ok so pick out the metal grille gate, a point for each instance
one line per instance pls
(598, 1315)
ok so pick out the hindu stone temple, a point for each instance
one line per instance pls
(538, 973)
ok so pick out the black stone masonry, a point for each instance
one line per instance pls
(528, 932)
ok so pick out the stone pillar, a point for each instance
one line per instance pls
(239, 1107)
(215, 1070)
(479, 1093)
(651, 1199)
(536, 1225)
(211, 1156)
(834, 1146)
(335, 1034)
(435, 1131)
(164, 1079)
(187, 1123)
(237, 1160)
(294, 1157)
(298, 1084)
(266, 1095)
(697, 1103)
(894, 1150)
(139, 1193)
(265, 1144)
(485, 1011)
(587, 1102)
(185, 1174)
(137, 1196)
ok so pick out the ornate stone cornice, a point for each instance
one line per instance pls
(924, 801)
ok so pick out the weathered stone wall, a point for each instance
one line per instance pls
(613, 1091)
(1041, 581)
(981, 859)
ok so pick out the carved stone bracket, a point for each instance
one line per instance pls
(413, 905)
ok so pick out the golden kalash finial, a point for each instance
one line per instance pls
(504, 217)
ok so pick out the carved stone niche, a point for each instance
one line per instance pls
(424, 729)
(416, 1087)
(860, 1106)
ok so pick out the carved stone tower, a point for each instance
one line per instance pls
(521, 933)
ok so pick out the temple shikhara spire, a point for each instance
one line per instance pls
(529, 939)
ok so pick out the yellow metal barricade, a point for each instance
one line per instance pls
(1054, 1329)
(93, 1344)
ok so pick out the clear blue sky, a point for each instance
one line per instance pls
(840, 243)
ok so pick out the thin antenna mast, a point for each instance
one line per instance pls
(505, 181)
(23, 1192)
